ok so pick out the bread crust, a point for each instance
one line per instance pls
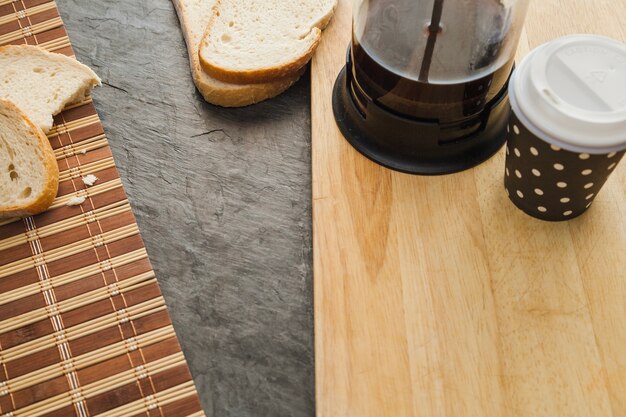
(92, 78)
(261, 75)
(266, 74)
(51, 187)
(222, 94)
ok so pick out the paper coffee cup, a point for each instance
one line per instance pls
(567, 131)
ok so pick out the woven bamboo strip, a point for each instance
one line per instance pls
(90, 192)
(197, 414)
(59, 129)
(13, 241)
(63, 225)
(69, 149)
(81, 147)
(84, 329)
(8, 221)
(151, 402)
(99, 387)
(88, 359)
(31, 30)
(143, 371)
(86, 169)
(113, 319)
(145, 279)
(99, 294)
(84, 218)
(26, 13)
(56, 44)
(3, 2)
(68, 250)
(160, 399)
(122, 347)
(72, 276)
(102, 386)
(100, 267)
(82, 245)
(91, 242)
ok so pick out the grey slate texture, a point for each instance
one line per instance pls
(223, 201)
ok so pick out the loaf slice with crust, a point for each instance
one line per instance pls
(42, 83)
(29, 174)
(252, 41)
(194, 15)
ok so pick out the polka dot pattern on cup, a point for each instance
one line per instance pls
(549, 182)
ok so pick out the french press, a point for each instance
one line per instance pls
(424, 90)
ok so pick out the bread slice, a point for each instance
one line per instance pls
(42, 83)
(194, 16)
(250, 41)
(29, 174)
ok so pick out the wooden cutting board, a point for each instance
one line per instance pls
(434, 296)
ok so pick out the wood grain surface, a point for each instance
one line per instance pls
(435, 296)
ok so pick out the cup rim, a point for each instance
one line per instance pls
(550, 135)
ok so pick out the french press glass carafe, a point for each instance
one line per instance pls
(424, 90)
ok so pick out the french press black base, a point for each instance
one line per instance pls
(414, 146)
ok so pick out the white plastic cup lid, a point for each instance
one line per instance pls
(572, 93)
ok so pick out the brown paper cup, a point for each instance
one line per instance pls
(551, 183)
(567, 130)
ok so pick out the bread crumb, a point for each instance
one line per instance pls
(83, 151)
(75, 201)
(90, 180)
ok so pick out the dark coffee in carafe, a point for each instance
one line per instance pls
(429, 59)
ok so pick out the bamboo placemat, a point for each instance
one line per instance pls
(84, 330)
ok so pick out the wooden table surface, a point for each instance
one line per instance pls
(436, 297)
